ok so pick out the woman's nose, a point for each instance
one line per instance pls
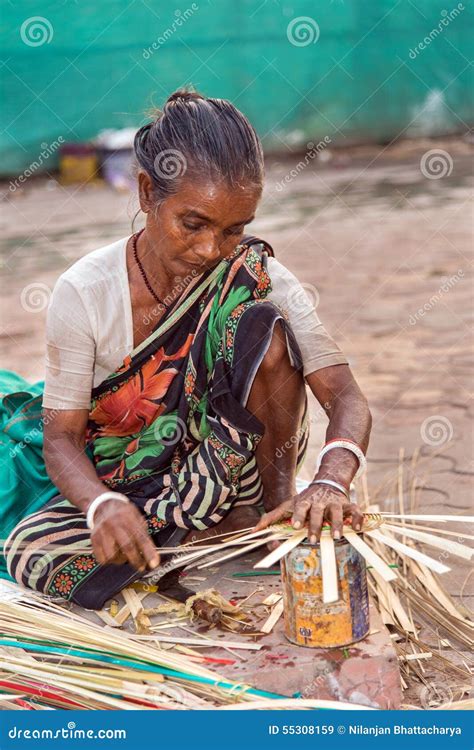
(207, 251)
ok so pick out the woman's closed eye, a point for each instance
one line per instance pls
(234, 230)
(228, 232)
(193, 227)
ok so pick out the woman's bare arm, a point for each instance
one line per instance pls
(67, 464)
(349, 417)
(120, 532)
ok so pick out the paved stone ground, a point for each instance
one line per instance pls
(365, 672)
(379, 237)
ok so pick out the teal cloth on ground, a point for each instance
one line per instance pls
(25, 486)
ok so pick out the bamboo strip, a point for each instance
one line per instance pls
(124, 613)
(441, 518)
(190, 668)
(329, 569)
(133, 601)
(298, 703)
(444, 532)
(370, 556)
(393, 602)
(430, 607)
(454, 548)
(463, 705)
(237, 552)
(199, 642)
(272, 599)
(445, 663)
(413, 657)
(38, 674)
(401, 508)
(384, 609)
(97, 637)
(414, 464)
(207, 639)
(8, 696)
(275, 615)
(103, 680)
(191, 560)
(107, 618)
(403, 549)
(432, 586)
(282, 550)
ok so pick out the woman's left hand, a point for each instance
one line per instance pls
(314, 505)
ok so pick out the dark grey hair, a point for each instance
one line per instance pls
(199, 138)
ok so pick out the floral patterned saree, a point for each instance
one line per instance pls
(170, 426)
(169, 429)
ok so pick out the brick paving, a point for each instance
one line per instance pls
(385, 249)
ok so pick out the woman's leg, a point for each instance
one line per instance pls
(50, 551)
(278, 400)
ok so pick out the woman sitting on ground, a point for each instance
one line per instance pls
(174, 397)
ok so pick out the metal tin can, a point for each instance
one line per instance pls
(310, 622)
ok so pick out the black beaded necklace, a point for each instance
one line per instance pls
(142, 270)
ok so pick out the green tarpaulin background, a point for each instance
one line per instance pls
(352, 70)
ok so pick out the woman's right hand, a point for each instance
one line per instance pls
(120, 535)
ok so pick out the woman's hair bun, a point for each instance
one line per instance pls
(202, 137)
(188, 96)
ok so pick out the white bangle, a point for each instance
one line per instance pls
(348, 445)
(109, 495)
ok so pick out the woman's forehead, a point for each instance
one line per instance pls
(216, 200)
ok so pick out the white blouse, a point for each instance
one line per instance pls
(89, 329)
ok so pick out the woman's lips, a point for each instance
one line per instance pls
(201, 267)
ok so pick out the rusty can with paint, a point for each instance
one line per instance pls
(308, 620)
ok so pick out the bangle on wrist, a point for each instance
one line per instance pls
(349, 445)
(102, 498)
(334, 485)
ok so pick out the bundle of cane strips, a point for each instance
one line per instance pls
(51, 657)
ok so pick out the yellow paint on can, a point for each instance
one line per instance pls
(308, 620)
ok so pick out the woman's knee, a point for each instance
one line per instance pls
(277, 355)
(20, 562)
(28, 561)
(12, 551)
(278, 383)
